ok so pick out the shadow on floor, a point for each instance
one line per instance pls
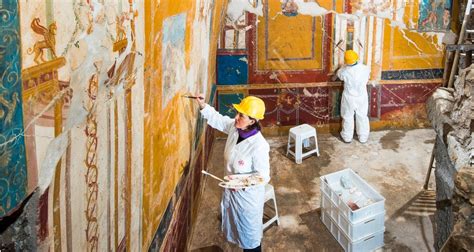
(324, 238)
(422, 206)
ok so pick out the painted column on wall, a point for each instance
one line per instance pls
(80, 63)
(13, 169)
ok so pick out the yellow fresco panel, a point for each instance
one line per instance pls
(169, 127)
(411, 15)
(288, 43)
(406, 50)
(165, 155)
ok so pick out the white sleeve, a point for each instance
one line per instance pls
(261, 161)
(216, 120)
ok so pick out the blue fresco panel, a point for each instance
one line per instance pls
(232, 69)
(13, 169)
(225, 102)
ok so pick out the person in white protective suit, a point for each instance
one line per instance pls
(246, 151)
(354, 100)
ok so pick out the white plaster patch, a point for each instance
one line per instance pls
(43, 136)
(311, 8)
(237, 8)
(244, 60)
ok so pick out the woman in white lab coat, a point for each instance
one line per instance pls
(246, 151)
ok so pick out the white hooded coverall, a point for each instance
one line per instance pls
(242, 210)
(355, 101)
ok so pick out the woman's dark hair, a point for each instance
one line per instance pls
(255, 125)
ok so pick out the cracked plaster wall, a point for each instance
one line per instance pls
(112, 150)
(403, 48)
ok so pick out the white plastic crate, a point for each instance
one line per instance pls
(330, 184)
(329, 206)
(354, 231)
(368, 243)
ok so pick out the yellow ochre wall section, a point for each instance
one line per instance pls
(407, 48)
(169, 130)
(298, 49)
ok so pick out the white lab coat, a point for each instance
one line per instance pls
(355, 101)
(242, 210)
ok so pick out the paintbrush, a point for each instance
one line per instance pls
(192, 97)
(215, 177)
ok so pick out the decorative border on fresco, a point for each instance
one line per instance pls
(292, 106)
(301, 76)
(162, 228)
(242, 52)
(13, 183)
(419, 74)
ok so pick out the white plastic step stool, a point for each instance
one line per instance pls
(302, 135)
(270, 194)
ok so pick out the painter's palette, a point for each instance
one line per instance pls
(241, 181)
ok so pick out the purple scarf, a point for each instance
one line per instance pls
(246, 134)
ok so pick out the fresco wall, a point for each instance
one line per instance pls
(293, 47)
(93, 125)
(81, 66)
(181, 41)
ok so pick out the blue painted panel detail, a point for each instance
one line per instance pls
(225, 102)
(232, 69)
(13, 170)
(413, 74)
(213, 94)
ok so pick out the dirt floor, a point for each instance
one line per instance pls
(393, 162)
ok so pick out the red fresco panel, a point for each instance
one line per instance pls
(374, 101)
(397, 96)
(314, 106)
(270, 97)
(179, 229)
(288, 107)
(43, 215)
(197, 174)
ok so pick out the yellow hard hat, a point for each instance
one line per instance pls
(251, 106)
(350, 57)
